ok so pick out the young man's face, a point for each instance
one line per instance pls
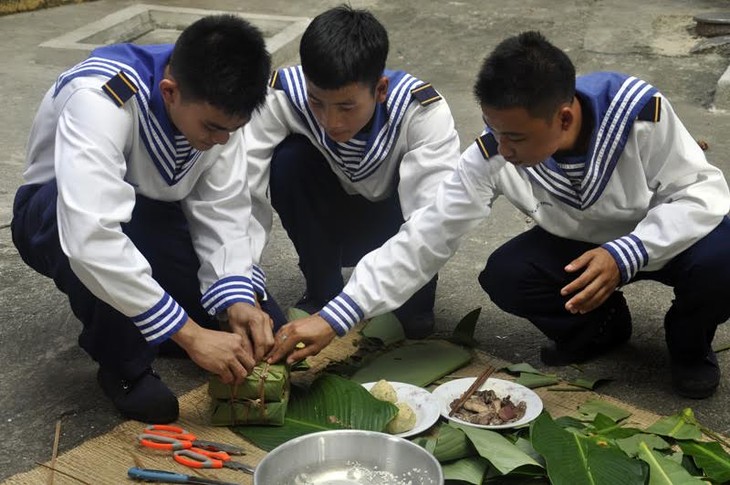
(345, 111)
(523, 139)
(202, 124)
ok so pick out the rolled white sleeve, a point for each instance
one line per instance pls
(690, 197)
(385, 278)
(218, 210)
(262, 134)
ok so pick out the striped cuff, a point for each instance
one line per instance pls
(161, 321)
(259, 281)
(342, 313)
(227, 291)
(630, 255)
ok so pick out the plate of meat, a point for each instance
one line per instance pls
(497, 404)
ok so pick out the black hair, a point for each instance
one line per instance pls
(526, 71)
(222, 60)
(343, 46)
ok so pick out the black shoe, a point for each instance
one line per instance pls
(308, 304)
(145, 398)
(593, 340)
(696, 380)
(418, 326)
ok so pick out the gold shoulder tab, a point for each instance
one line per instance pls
(425, 94)
(652, 110)
(120, 88)
(275, 80)
(487, 145)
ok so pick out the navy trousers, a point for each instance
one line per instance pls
(159, 230)
(331, 229)
(525, 275)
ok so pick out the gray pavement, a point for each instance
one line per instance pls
(45, 375)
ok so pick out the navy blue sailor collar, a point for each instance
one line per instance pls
(142, 68)
(614, 101)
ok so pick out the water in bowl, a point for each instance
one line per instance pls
(352, 473)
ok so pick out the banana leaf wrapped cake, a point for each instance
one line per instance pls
(262, 398)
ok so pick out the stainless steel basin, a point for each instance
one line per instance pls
(348, 457)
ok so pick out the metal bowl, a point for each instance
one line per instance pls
(348, 457)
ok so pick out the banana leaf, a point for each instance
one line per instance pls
(500, 452)
(711, 457)
(231, 413)
(630, 445)
(418, 363)
(525, 367)
(664, 471)
(464, 332)
(295, 313)
(267, 381)
(386, 328)
(448, 444)
(469, 470)
(571, 458)
(590, 409)
(534, 381)
(680, 426)
(331, 402)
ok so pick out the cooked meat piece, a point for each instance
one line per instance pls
(478, 406)
(485, 408)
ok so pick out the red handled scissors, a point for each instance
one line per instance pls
(200, 458)
(174, 438)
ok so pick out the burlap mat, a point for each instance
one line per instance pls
(106, 459)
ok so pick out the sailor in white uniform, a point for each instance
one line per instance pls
(348, 151)
(136, 204)
(619, 192)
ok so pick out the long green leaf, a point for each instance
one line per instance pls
(590, 409)
(330, 403)
(711, 457)
(664, 471)
(534, 381)
(500, 452)
(524, 367)
(678, 427)
(470, 470)
(418, 363)
(386, 328)
(630, 445)
(588, 382)
(452, 444)
(573, 459)
(464, 332)
(295, 313)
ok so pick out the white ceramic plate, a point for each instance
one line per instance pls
(424, 404)
(447, 392)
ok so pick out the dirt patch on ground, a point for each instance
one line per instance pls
(15, 6)
(674, 35)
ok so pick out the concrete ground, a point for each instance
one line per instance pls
(46, 377)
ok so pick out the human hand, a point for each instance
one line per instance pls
(221, 353)
(313, 331)
(599, 279)
(255, 327)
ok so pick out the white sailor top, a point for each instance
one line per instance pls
(645, 192)
(411, 147)
(103, 133)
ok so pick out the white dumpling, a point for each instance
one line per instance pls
(404, 421)
(384, 391)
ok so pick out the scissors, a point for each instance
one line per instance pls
(167, 437)
(162, 476)
(200, 458)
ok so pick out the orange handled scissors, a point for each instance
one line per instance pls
(200, 458)
(166, 437)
